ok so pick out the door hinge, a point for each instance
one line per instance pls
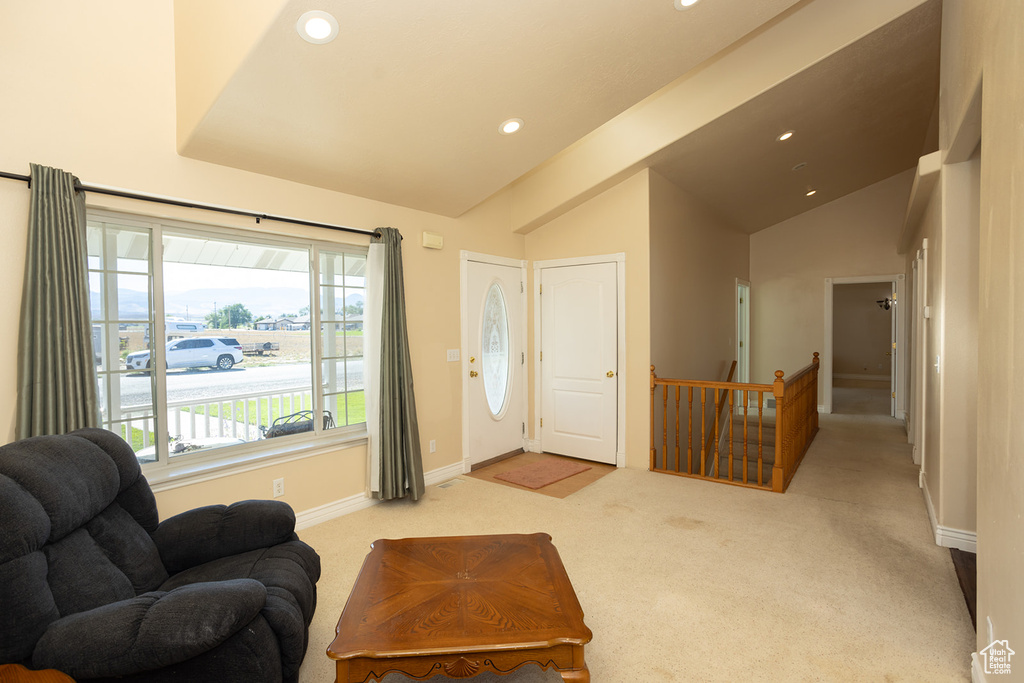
(520, 287)
(542, 289)
(741, 344)
(542, 422)
(741, 299)
(894, 394)
(894, 345)
(542, 355)
(522, 357)
(524, 429)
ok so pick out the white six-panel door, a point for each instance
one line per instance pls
(579, 354)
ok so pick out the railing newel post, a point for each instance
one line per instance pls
(653, 452)
(779, 466)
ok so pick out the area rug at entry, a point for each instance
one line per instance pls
(540, 474)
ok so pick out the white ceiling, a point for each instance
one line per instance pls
(404, 106)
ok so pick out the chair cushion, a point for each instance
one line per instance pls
(289, 571)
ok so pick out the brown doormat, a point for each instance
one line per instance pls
(540, 474)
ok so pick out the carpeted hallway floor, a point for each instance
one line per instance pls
(838, 579)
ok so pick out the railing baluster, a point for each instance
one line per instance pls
(677, 429)
(760, 438)
(746, 402)
(732, 410)
(703, 428)
(689, 430)
(664, 427)
(715, 432)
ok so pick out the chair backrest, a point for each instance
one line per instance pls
(75, 521)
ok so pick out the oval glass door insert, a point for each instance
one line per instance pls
(494, 350)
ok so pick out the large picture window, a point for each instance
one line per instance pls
(211, 342)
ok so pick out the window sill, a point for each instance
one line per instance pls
(177, 475)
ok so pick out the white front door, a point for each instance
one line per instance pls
(496, 388)
(579, 373)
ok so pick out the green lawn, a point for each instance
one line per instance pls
(265, 412)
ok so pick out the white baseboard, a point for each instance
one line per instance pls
(532, 446)
(977, 672)
(329, 511)
(948, 537)
(443, 474)
(361, 501)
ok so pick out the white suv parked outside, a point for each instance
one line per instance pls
(193, 352)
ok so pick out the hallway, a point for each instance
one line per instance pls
(860, 397)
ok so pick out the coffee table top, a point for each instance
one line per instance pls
(458, 594)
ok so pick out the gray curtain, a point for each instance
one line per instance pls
(401, 464)
(56, 371)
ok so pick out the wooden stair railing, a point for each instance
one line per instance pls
(719, 407)
(787, 434)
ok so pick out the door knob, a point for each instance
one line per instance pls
(473, 373)
(610, 373)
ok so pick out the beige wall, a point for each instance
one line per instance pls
(695, 261)
(851, 236)
(985, 40)
(615, 221)
(926, 411)
(861, 330)
(97, 98)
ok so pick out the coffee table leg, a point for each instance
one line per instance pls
(577, 676)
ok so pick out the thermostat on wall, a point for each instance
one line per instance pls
(432, 240)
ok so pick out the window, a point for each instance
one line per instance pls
(214, 343)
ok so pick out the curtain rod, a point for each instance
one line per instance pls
(194, 205)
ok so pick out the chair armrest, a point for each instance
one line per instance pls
(209, 533)
(150, 631)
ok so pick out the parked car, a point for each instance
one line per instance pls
(193, 352)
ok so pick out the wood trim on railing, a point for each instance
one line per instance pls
(718, 415)
(796, 423)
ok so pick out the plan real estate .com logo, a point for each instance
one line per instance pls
(997, 657)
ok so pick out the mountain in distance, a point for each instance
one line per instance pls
(196, 304)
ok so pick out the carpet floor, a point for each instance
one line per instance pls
(839, 579)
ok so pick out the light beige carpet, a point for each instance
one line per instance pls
(838, 579)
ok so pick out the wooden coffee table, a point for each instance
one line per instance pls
(458, 606)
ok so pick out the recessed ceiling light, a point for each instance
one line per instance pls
(811, 191)
(510, 126)
(317, 27)
(685, 4)
(785, 136)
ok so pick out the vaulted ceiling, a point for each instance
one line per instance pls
(404, 105)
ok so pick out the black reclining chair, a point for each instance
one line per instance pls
(93, 584)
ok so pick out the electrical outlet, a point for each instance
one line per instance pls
(453, 355)
(278, 487)
(433, 446)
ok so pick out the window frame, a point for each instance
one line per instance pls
(226, 460)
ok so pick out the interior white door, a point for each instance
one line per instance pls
(892, 351)
(742, 340)
(497, 419)
(579, 373)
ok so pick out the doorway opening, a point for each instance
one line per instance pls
(864, 334)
